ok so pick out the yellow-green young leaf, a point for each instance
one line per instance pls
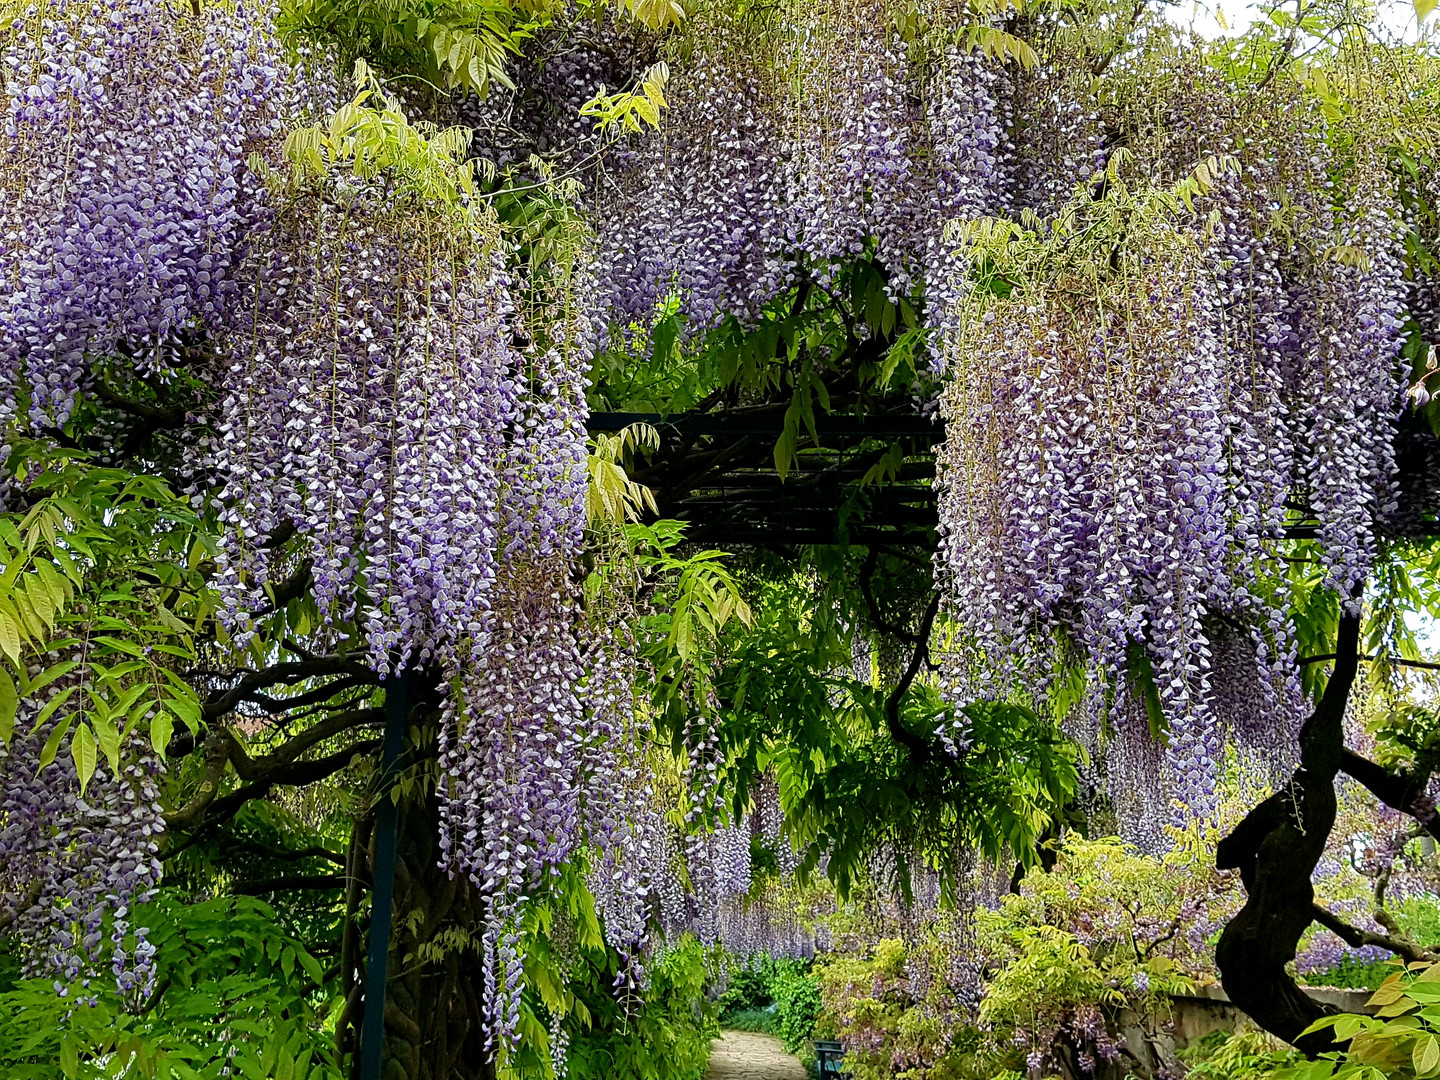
(40, 599)
(53, 704)
(162, 727)
(187, 708)
(9, 707)
(656, 14)
(1399, 1007)
(1320, 1025)
(31, 624)
(50, 674)
(82, 749)
(1426, 1056)
(1423, 8)
(683, 634)
(107, 737)
(9, 637)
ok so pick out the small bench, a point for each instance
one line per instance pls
(828, 1056)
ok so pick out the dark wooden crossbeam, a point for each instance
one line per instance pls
(716, 470)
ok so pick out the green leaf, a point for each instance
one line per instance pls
(53, 704)
(107, 737)
(9, 706)
(1426, 1056)
(82, 749)
(10, 637)
(187, 708)
(69, 1056)
(162, 727)
(129, 647)
(52, 744)
(1423, 8)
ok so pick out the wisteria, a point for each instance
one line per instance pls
(74, 862)
(1150, 430)
(125, 206)
(1165, 320)
(127, 203)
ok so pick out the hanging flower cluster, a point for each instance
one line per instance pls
(391, 402)
(839, 133)
(125, 204)
(1137, 399)
(124, 198)
(70, 858)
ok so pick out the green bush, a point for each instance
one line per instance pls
(669, 1036)
(234, 996)
(1099, 932)
(762, 1021)
(797, 1004)
(751, 983)
(1237, 1055)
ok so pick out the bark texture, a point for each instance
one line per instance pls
(1275, 848)
(433, 1014)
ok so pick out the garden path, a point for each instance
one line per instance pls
(743, 1055)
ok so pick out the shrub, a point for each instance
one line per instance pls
(1029, 986)
(797, 1004)
(762, 1021)
(1402, 1041)
(669, 1036)
(234, 996)
(1246, 1054)
(750, 982)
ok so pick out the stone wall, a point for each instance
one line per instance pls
(1192, 1017)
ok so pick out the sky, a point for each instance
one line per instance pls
(1398, 16)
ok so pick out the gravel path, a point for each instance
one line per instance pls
(742, 1055)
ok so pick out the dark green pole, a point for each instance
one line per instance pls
(372, 1028)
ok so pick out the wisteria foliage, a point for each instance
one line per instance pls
(1144, 368)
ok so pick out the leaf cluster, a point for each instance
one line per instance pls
(450, 44)
(102, 603)
(235, 996)
(1401, 1039)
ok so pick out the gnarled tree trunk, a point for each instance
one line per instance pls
(433, 1003)
(1276, 849)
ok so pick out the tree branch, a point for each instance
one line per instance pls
(291, 588)
(1327, 657)
(1357, 938)
(293, 775)
(270, 765)
(1276, 848)
(287, 674)
(218, 747)
(867, 574)
(319, 696)
(1399, 791)
(290, 854)
(898, 731)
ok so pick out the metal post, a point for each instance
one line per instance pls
(372, 1028)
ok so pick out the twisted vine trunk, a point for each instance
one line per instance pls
(433, 1003)
(1276, 848)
